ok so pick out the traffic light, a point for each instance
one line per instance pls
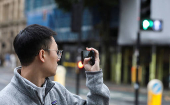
(146, 23)
(150, 24)
(80, 65)
(145, 11)
(76, 16)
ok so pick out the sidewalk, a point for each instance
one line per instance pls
(113, 86)
(130, 88)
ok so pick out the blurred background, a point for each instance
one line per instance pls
(111, 26)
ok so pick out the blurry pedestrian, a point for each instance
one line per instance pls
(7, 60)
(13, 61)
(30, 85)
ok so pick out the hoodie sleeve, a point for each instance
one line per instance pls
(99, 93)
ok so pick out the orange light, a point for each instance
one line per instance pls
(80, 65)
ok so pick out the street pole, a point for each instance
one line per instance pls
(136, 86)
(78, 69)
(78, 9)
(169, 74)
(77, 81)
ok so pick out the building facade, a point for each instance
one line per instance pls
(12, 20)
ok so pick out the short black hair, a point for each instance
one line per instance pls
(30, 41)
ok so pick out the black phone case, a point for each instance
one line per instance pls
(86, 54)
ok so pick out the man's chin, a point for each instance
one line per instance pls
(53, 74)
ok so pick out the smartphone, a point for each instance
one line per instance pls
(87, 54)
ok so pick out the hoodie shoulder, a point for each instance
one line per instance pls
(58, 85)
(7, 94)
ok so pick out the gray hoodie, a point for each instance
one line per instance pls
(17, 92)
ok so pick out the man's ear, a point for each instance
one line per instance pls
(42, 55)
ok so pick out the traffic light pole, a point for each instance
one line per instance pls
(78, 69)
(78, 16)
(136, 86)
(77, 81)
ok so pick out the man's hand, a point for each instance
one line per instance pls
(95, 67)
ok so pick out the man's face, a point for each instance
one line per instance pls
(51, 59)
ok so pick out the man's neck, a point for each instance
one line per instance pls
(33, 75)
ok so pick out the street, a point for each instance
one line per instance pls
(119, 95)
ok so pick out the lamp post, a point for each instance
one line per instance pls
(136, 85)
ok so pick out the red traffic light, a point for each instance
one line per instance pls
(80, 65)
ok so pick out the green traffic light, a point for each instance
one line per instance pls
(150, 23)
(147, 23)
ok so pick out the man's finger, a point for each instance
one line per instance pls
(86, 60)
(96, 52)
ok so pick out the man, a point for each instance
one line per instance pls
(39, 54)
